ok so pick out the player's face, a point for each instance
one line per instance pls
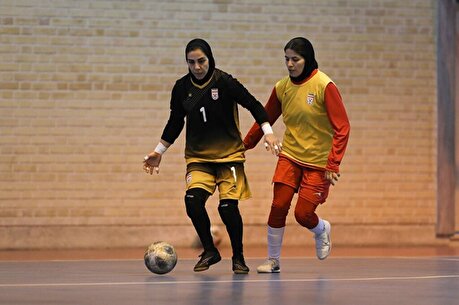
(198, 63)
(294, 62)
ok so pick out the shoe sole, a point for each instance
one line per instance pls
(271, 271)
(240, 272)
(204, 268)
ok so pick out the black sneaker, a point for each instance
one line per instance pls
(207, 259)
(239, 266)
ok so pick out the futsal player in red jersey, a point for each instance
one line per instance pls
(208, 99)
(315, 139)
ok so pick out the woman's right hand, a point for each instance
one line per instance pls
(273, 144)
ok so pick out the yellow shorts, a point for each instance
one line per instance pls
(230, 179)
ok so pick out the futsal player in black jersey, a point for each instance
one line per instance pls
(207, 99)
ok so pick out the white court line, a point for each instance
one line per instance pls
(389, 278)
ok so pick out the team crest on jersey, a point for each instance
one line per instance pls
(310, 98)
(214, 93)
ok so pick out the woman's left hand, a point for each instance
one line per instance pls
(332, 177)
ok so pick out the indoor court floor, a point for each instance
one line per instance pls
(414, 276)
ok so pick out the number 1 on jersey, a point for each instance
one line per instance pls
(233, 170)
(203, 111)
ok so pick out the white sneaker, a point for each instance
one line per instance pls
(323, 242)
(271, 265)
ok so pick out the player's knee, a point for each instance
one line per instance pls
(228, 206)
(229, 213)
(278, 216)
(307, 219)
(195, 200)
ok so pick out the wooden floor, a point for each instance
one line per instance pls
(350, 276)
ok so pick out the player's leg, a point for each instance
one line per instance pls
(286, 180)
(231, 217)
(200, 185)
(232, 186)
(282, 199)
(314, 191)
(195, 200)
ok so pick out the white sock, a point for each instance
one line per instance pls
(320, 228)
(275, 236)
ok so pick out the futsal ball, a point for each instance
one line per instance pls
(160, 257)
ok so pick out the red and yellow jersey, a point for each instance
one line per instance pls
(316, 124)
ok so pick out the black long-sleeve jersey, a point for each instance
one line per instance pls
(212, 118)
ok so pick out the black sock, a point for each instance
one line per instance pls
(195, 200)
(229, 213)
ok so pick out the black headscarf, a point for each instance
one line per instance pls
(201, 44)
(303, 47)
